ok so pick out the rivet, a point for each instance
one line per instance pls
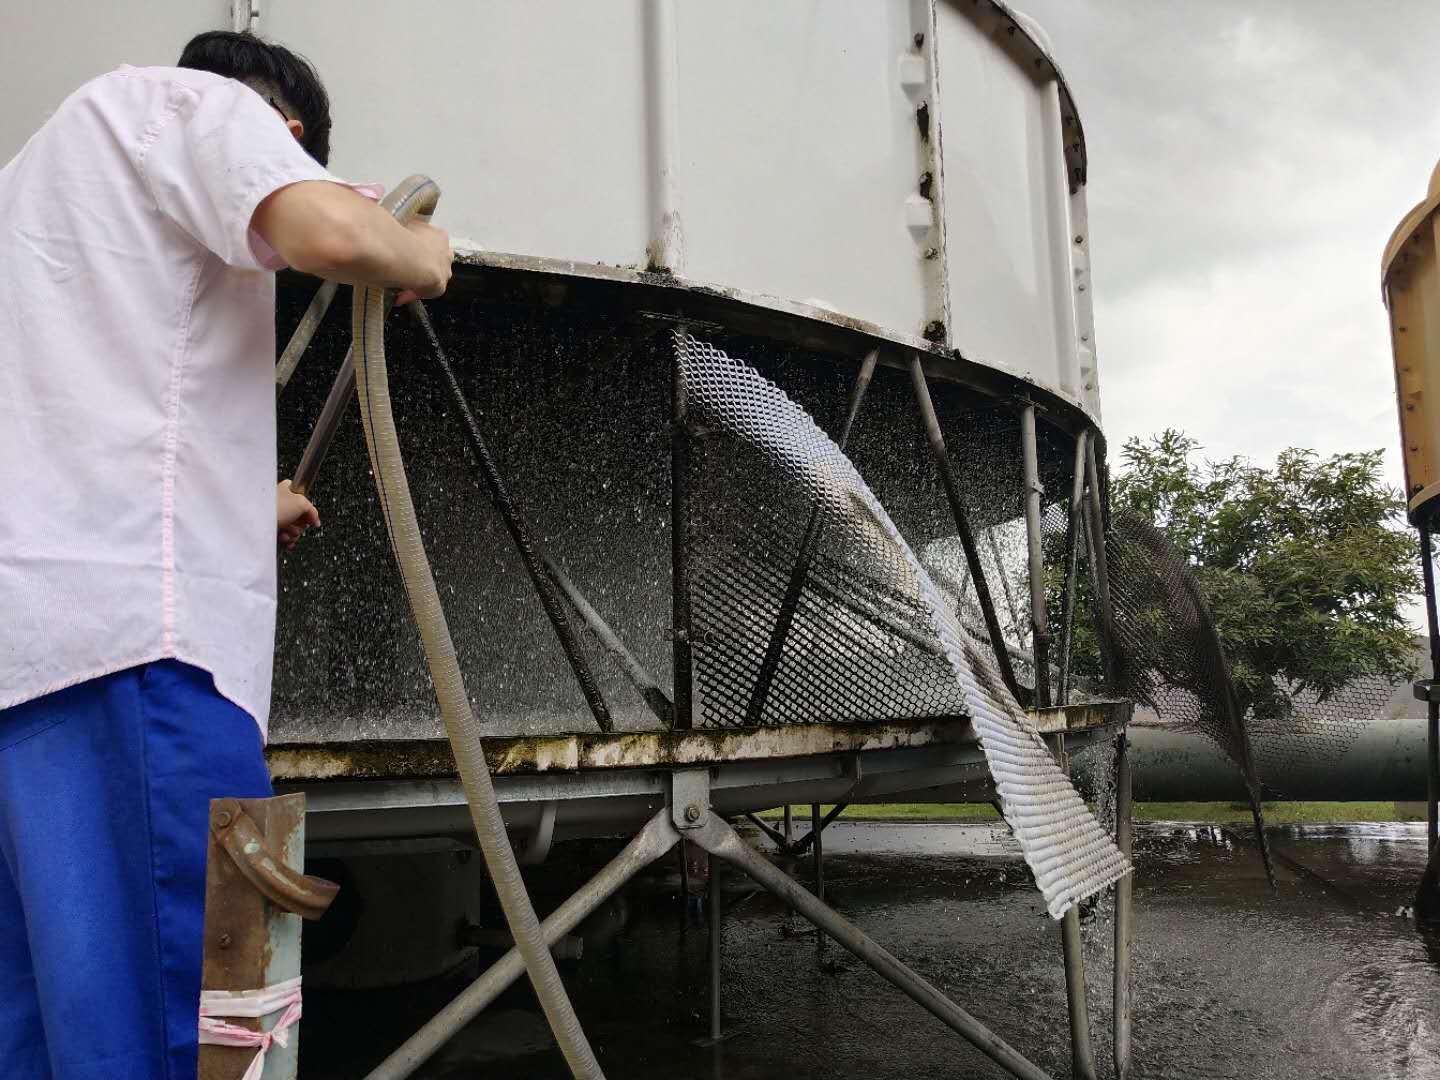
(224, 941)
(223, 819)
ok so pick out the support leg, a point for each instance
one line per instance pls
(715, 927)
(684, 880)
(1432, 754)
(816, 826)
(1124, 903)
(1082, 1053)
(817, 840)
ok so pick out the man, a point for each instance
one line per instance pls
(139, 232)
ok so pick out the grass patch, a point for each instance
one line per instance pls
(1219, 813)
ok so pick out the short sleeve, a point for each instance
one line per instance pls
(217, 158)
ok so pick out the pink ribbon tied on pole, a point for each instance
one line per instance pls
(250, 1004)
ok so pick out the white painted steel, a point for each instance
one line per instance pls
(48, 50)
(773, 149)
(1006, 207)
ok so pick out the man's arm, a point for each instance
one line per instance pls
(332, 232)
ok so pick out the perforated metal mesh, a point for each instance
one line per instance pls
(1170, 658)
(874, 636)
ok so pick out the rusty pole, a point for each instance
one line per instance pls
(936, 439)
(680, 547)
(1124, 911)
(1039, 617)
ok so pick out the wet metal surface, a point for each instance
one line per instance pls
(1320, 980)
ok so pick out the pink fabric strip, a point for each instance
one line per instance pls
(252, 1004)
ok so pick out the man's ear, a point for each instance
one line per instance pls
(296, 128)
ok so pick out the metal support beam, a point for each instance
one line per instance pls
(1072, 562)
(817, 828)
(680, 547)
(684, 879)
(304, 331)
(654, 697)
(1099, 567)
(1124, 905)
(775, 835)
(1432, 707)
(515, 525)
(936, 439)
(1039, 617)
(798, 847)
(715, 930)
(1082, 1052)
(717, 838)
(790, 603)
(342, 390)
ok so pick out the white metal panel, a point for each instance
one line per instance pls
(798, 152)
(1005, 206)
(773, 149)
(532, 116)
(48, 50)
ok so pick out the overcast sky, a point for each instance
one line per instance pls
(1248, 161)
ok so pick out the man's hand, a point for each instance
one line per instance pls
(330, 231)
(435, 242)
(294, 513)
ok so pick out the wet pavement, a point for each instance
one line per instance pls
(1320, 979)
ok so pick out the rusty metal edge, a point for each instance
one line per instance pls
(569, 753)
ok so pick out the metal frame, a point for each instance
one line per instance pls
(689, 813)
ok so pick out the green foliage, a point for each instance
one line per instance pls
(1306, 566)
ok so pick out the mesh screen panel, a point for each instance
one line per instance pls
(875, 628)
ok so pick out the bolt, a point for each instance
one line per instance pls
(223, 819)
(224, 941)
(1079, 239)
(692, 813)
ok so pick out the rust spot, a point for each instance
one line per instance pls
(934, 331)
(922, 120)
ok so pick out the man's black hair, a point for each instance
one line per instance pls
(272, 71)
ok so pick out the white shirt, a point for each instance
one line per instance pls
(137, 393)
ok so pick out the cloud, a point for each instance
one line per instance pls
(1247, 164)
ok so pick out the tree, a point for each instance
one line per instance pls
(1306, 566)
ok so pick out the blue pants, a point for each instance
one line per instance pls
(105, 792)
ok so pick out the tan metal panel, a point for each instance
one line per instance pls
(1411, 286)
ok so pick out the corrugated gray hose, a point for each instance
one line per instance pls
(418, 196)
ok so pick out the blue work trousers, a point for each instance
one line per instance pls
(105, 792)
